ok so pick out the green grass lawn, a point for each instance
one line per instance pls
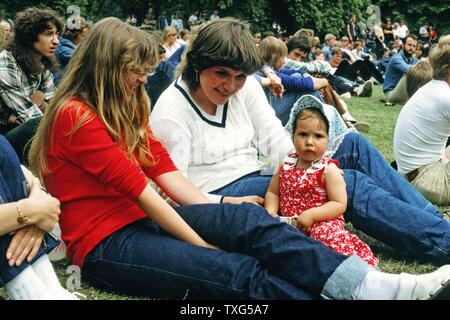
(382, 121)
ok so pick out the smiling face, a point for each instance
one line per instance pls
(310, 138)
(218, 84)
(47, 41)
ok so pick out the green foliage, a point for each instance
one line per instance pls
(326, 16)
(415, 13)
(321, 15)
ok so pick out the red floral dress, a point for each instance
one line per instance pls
(302, 189)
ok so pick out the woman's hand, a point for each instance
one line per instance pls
(41, 208)
(14, 119)
(24, 244)
(276, 89)
(238, 200)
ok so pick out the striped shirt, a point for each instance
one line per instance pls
(312, 67)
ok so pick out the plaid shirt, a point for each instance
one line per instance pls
(16, 88)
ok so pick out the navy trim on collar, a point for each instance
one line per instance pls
(194, 106)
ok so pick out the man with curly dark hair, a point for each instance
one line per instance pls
(26, 84)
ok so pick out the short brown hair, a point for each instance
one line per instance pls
(225, 42)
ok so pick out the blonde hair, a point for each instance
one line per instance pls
(309, 33)
(168, 30)
(95, 75)
(3, 25)
(417, 76)
(272, 49)
(329, 36)
(2, 35)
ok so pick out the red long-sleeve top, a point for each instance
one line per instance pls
(96, 183)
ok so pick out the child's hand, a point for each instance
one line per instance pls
(305, 220)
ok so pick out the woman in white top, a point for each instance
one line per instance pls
(216, 123)
(169, 38)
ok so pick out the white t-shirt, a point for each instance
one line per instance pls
(402, 31)
(171, 50)
(215, 150)
(193, 19)
(423, 127)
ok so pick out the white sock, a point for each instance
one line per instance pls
(28, 286)
(44, 270)
(347, 116)
(377, 285)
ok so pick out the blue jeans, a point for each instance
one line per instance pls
(13, 187)
(381, 203)
(386, 206)
(252, 184)
(341, 84)
(260, 258)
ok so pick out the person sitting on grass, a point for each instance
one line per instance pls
(126, 238)
(308, 186)
(27, 214)
(26, 83)
(422, 130)
(394, 86)
(216, 124)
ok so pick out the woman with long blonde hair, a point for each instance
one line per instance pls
(169, 39)
(94, 151)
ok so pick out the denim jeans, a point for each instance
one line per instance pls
(341, 84)
(13, 187)
(386, 206)
(260, 258)
(20, 136)
(284, 105)
(252, 184)
(381, 203)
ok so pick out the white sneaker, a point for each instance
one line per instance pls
(346, 95)
(364, 90)
(429, 286)
(374, 81)
(348, 118)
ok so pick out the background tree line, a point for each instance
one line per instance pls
(323, 16)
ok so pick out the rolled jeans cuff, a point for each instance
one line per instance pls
(345, 279)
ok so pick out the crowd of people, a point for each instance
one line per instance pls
(112, 105)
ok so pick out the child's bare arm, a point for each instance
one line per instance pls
(272, 198)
